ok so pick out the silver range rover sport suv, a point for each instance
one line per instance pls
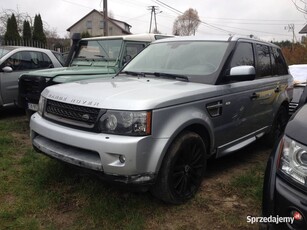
(177, 103)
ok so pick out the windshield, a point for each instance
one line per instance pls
(98, 52)
(181, 57)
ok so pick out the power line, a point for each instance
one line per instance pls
(205, 23)
(77, 4)
(168, 6)
(253, 30)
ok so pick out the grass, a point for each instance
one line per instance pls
(250, 183)
(41, 193)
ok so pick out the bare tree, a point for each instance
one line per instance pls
(301, 5)
(187, 23)
(5, 14)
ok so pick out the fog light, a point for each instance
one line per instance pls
(122, 159)
(296, 215)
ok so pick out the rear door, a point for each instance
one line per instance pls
(272, 81)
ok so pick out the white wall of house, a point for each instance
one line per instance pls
(93, 24)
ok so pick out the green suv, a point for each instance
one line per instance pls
(93, 58)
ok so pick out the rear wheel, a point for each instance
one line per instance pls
(278, 127)
(182, 169)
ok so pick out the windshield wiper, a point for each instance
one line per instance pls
(169, 75)
(134, 73)
(158, 74)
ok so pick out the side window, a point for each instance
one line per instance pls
(28, 60)
(19, 61)
(243, 55)
(279, 64)
(88, 24)
(35, 59)
(38, 60)
(45, 62)
(13, 61)
(133, 49)
(264, 61)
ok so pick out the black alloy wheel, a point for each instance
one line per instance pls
(182, 169)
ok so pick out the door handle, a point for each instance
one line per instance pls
(254, 96)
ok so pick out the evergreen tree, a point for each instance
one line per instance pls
(11, 34)
(26, 33)
(38, 31)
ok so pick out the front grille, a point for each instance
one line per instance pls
(72, 114)
(32, 84)
(292, 107)
(30, 88)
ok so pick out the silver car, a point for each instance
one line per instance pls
(177, 103)
(16, 60)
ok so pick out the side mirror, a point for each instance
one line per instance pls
(7, 69)
(242, 73)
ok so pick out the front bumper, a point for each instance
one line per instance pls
(287, 199)
(125, 159)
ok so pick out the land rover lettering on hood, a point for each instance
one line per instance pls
(177, 103)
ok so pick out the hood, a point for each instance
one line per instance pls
(130, 93)
(297, 126)
(74, 73)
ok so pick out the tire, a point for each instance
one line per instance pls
(278, 127)
(29, 113)
(182, 169)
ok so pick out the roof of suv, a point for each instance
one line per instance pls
(225, 38)
(23, 48)
(134, 37)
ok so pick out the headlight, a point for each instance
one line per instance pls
(126, 123)
(41, 105)
(293, 160)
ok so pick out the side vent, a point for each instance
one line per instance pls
(215, 108)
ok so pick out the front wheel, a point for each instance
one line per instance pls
(182, 169)
(29, 113)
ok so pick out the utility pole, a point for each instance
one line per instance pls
(153, 13)
(290, 28)
(105, 18)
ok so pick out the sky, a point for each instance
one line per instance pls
(268, 20)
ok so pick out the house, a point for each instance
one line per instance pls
(304, 30)
(93, 23)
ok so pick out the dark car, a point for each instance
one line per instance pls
(285, 181)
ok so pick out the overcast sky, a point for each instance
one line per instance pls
(266, 19)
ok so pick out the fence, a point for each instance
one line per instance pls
(30, 43)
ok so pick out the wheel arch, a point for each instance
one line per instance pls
(197, 126)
